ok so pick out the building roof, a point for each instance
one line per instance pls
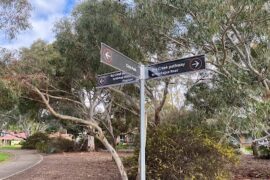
(12, 136)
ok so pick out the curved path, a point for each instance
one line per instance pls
(22, 160)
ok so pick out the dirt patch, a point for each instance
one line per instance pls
(73, 166)
(252, 168)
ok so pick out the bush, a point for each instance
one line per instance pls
(175, 153)
(42, 147)
(123, 146)
(261, 151)
(44, 144)
(32, 141)
(56, 145)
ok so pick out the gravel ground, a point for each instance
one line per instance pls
(252, 168)
(73, 166)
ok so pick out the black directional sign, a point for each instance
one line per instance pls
(114, 78)
(178, 66)
(119, 61)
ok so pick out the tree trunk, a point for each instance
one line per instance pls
(90, 143)
(92, 124)
(157, 118)
(115, 156)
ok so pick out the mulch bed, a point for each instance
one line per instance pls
(99, 166)
(252, 168)
(73, 166)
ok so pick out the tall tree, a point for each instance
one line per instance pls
(234, 35)
(59, 79)
(14, 16)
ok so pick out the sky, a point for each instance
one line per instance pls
(43, 17)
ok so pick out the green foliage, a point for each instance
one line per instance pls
(261, 150)
(248, 148)
(212, 99)
(8, 97)
(224, 102)
(177, 153)
(42, 147)
(98, 145)
(123, 146)
(56, 145)
(28, 106)
(43, 143)
(229, 107)
(14, 16)
(42, 58)
(32, 141)
(4, 156)
(166, 29)
(154, 20)
(78, 39)
(9, 147)
(259, 118)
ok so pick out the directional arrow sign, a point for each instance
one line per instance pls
(131, 74)
(114, 78)
(178, 66)
(118, 60)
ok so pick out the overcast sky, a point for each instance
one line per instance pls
(44, 14)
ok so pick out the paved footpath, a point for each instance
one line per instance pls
(21, 161)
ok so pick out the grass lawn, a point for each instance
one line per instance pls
(4, 156)
(11, 147)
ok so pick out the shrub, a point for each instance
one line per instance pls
(42, 147)
(56, 145)
(82, 144)
(122, 146)
(175, 153)
(31, 141)
(261, 151)
(43, 143)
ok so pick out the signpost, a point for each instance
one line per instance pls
(174, 67)
(115, 78)
(133, 71)
(119, 61)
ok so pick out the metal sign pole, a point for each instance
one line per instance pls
(132, 71)
(142, 123)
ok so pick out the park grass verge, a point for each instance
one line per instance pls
(15, 147)
(4, 156)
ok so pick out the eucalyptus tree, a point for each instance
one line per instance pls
(61, 76)
(234, 35)
(14, 17)
(78, 40)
